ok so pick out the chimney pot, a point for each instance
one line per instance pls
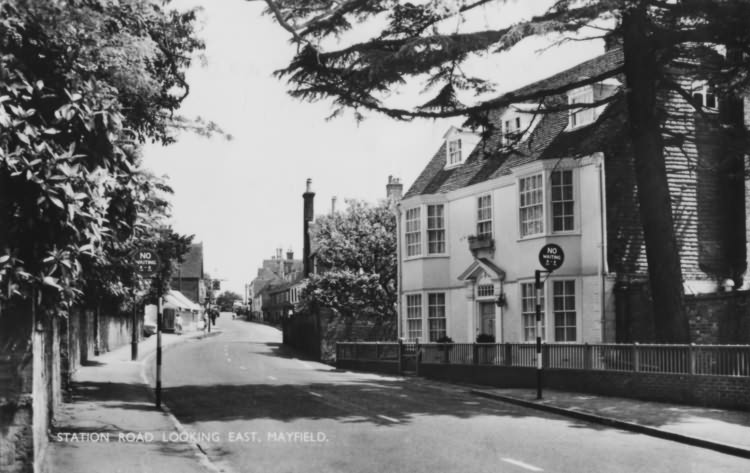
(394, 189)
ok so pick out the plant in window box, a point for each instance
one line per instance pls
(485, 338)
(480, 242)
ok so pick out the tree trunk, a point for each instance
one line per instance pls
(642, 74)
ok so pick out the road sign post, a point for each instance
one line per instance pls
(147, 264)
(551, 257)
(158, 352)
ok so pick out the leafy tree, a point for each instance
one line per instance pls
(82, 84)
(432, 41)
(226, 300)
(356, 250)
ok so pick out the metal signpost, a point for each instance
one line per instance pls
(551, 257)
(147, 263)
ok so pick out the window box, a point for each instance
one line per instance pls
(481, 242)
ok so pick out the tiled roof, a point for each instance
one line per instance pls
(547, 141)
(192, 267)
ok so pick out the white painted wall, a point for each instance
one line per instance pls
(516, 256)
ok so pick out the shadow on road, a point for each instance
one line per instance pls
(352, 402)
(103, 391)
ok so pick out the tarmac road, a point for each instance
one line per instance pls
(253, 406)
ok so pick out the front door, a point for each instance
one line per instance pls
(487, 317)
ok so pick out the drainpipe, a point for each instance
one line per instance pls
(603, 267)
(399, 270)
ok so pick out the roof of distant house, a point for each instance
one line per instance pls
(490, 159)
(192, 267)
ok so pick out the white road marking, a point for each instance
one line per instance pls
(305, 364)
(389, 419)
(272, 378)
(316, 394)
(522, 464)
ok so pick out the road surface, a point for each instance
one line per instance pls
(254, 406)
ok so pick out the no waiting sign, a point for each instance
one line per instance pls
(146, 262)
(551, 256)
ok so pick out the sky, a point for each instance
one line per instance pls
(242, 198)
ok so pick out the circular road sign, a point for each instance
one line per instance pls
(551, 257)
(146, 262)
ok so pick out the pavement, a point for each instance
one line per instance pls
(726, 431)
(111, 422)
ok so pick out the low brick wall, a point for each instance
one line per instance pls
(726, 392)
(385, 367)
(496, 376)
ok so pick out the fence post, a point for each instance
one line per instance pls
(417, 357)
(338, 352)
(400, 352)
(508, 354)
(636, 358)
(587, 356)
(447, 355)
(691, 352)
(475, 353)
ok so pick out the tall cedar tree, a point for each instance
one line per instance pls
(426, 40)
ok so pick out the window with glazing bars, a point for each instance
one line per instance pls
(454, 152)
(436, 315)
(413, 232)
(485, 290)
(563, 204)
(435, 229)
(584, 115)
(414, 316)
(531, 199)
(564, 310)
(484, 216)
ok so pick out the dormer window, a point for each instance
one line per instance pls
(458, 146)
(511, 130)
(584, 115)
(704, 95)
(454, 152)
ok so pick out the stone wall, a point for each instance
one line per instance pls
(36, 360)
(16, 435)
(716, 318)
(303, 333)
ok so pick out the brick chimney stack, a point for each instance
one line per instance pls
(307, 217)
(333, 205)
(394, 189)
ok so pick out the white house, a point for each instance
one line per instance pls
(472, 224)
